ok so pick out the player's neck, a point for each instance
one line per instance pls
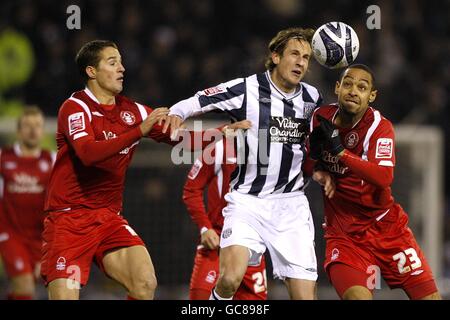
(348, 120)
(26, 151)
(103, 96)
(280, 83)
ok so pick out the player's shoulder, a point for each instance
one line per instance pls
(77, 101)
(311, 90)
(327, 111)
(47, 154)
(375, 117)
(6, 150)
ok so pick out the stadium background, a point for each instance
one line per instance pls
(173, 48)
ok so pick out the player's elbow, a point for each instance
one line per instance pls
(87, 161)
(385, 178)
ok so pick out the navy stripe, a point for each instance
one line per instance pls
(287, 153)
(306, 96)
(231, 93)
(291, 184)
(241, 113)
(263, 126)
(241, 169)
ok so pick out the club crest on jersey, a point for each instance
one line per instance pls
(226, 233)
(44, 166)
(351, 139)
(308, 109)
(334, 254)
(61, 264)
(384, 148)
(211, 276)
(213, 90)
(76, 122)
(128, 117)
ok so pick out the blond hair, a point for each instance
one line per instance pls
(279, 42)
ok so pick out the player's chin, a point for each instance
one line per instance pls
(118, 88)
(350, 107)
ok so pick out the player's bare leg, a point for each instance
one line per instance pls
(133, 268)
(22, 285)
(434, 296)
(357, 293)
(232, 268)
(63, 289)
(301, 289)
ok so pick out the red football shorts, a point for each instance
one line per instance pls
(74, 239)
(20, 255)
(206, 271)
(386, 249)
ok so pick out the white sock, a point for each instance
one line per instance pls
(215, 296)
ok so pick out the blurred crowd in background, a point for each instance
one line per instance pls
(172, 48)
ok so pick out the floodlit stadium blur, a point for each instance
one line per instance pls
(173, 48)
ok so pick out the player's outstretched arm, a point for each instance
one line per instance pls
(74, 124)
(373, 173)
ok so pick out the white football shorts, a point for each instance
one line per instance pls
(282, 225)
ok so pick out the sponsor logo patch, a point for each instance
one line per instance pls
(384, 148)
(128, 117)
(351, 139)
(287, 130)
(213, 90)
(195, 169)
(76, 123)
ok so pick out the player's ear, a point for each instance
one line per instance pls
(372, 96)
(275, 58)
(91, 72)
(336, 87)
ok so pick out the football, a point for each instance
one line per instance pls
(335, 45)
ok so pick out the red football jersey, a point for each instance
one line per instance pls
(90, 168)
(357, 203)
(212, 170)
(25, 180)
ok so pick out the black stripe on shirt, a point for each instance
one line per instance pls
(263, 127)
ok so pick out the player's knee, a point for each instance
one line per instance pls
(357, 293)
(144, 286)
(230, 282)
(23, 285)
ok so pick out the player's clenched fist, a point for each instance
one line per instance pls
(157, 115)
(210, 239)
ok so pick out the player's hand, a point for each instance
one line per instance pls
(230, 130)
(174, 122)
(316, 140)
(210, 239)
(326, 181)
(331, 134)
(157, 115)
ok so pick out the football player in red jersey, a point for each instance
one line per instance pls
(25, 170)
(97, 134)
(366, 231)
(212, 172)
